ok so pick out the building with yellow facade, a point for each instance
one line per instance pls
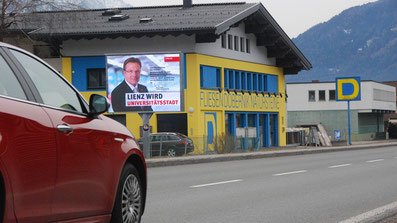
(234, 58)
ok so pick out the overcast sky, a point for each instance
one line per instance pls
(294, 16)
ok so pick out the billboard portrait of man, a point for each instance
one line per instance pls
(139, 83)
(132, 74)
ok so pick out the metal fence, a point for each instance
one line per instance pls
(226, 144)
(206, 145)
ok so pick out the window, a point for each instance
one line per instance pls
(247, 46)
(264, 83)
(210, 77)
(96, 78)
(249, 81)
(260, 82)
(231, 79)
(230, 42)
(223, 40)
(238, 80)
(226, 78)
(312, 96)
(236, 45)
(242, 45)
(332, 95)
(272, 83)
(9, 85)
(244, 80)
(54, 91)
(321, 95)
(173, 138)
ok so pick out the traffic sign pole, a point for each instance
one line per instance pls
(348, 89)
(348, 118)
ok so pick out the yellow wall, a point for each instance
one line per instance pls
(203, 101)
(67, 68)
(211, 101)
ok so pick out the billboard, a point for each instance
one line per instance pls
(144, 83)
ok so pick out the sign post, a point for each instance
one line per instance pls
(146, 133)
(348, 89)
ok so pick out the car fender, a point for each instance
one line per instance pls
(132, 154)
(9, 214)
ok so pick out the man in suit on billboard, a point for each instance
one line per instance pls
(132, 74)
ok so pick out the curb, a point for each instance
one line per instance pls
(162, 162)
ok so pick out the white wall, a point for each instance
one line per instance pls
(257, 54)
(181, 43)
(298, 97)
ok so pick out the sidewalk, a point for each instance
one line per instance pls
(273, 152)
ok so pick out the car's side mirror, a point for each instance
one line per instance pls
(98, 104)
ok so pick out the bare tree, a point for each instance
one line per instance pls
(11, 10)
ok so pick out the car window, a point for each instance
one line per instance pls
(9, 85)
(156, 138)
(53, 90)
(173, 138)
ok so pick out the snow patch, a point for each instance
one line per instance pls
(347, 31)
(369, 42)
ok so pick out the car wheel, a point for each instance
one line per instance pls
(171, 152)
(128, 204)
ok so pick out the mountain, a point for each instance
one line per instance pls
(361, 41)
(83, 4)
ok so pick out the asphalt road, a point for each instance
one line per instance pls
(326, 187)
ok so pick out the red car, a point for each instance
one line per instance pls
(60, 159)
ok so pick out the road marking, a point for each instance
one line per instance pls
(373, 215)
(341, 165)
(217, 183)
(289, 173)
(373, 161)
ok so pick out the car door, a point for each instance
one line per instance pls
(83, 184)
(27, 147)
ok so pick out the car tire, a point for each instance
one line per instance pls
(128, 209)
(171, 152)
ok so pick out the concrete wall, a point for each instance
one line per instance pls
(331, 120)
(364, 126)
(370, 123)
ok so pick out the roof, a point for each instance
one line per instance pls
(206, 21)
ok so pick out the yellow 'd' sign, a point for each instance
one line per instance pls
(348, 89)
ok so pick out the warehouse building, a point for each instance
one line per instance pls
(315, 102)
